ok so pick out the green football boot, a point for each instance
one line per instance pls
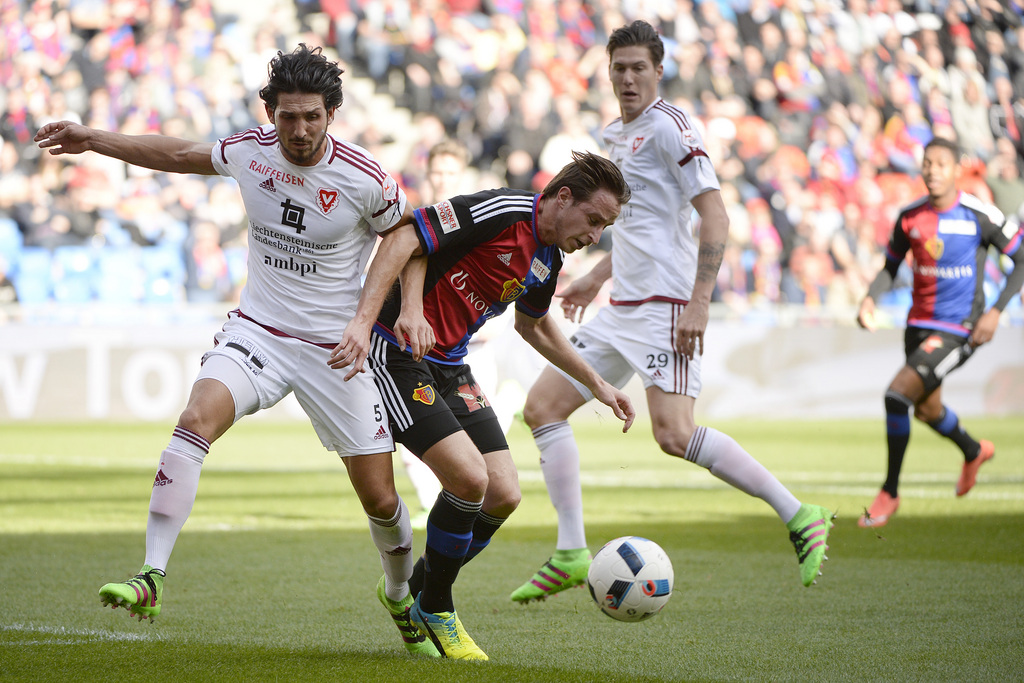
(415, 642)
(446, 631)
(140, 595)
(808, 531)
(564, 569)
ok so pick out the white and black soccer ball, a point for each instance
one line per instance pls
(630, 578)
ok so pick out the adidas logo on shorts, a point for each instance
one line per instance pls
(381, 434)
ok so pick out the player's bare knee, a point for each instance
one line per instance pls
(503, 501)
(672, 440)
(195, 421)
(536, 412)
(469, 483)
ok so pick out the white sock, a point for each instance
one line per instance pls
(727, 460)
(560, 464)
(393, 538)
(422, 477)
(174, 492)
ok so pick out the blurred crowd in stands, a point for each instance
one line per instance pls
(815, 113)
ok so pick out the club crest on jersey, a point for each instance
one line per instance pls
(637, 142)
(539, 269)
(471, 394)
(327, 199)
(934, 246)
(511, 290)
(424, 395)
(389, 189)
(446, 217)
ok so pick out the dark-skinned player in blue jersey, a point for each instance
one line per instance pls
(949, 233)
(472, 256)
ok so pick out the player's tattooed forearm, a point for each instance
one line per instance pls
(709, 260)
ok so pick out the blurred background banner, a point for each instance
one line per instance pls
(67, 372)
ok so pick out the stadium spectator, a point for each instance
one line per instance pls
(312, 245)
(947, 232)
(190, 69)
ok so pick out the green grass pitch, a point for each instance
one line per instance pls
(273, 576)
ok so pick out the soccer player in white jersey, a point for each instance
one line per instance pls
(662, 279)
(315, 206)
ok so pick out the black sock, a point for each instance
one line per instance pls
(483, 529)
(897, 432)
(948, 425)
(449, 533)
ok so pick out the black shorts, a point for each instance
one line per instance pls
(428, 401)
(933, 354)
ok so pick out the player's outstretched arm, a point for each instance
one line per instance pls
(578, 295)
(543, 334)
(396, 248)
(158, 152)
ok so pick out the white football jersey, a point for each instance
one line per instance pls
(662, 157)
(311, 230)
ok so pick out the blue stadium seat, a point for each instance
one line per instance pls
(120, 278)
(11, 243)
(33, 279)
(238, 260)
(164, 269)
(74, 269)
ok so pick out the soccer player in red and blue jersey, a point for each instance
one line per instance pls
(949, 233)
(477, 254)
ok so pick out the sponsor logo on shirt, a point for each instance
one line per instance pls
(446, 217)
(458, 280)
(505, 258)
(424, 395)
(539, 269)
(290, 264)
(327, 199)
(268, 184)
(945, 272)
(951, 226)
(280, 176)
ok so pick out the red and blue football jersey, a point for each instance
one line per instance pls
(949, 250)
(483, 253)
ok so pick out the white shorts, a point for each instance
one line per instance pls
(349, 417)
(622, 340)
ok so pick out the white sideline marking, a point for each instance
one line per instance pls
(90, 633)
(838, 483)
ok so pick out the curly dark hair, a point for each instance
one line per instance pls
(641, 34)
(304, 70)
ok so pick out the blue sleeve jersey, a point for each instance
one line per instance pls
(949, 250)
(483, 253)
